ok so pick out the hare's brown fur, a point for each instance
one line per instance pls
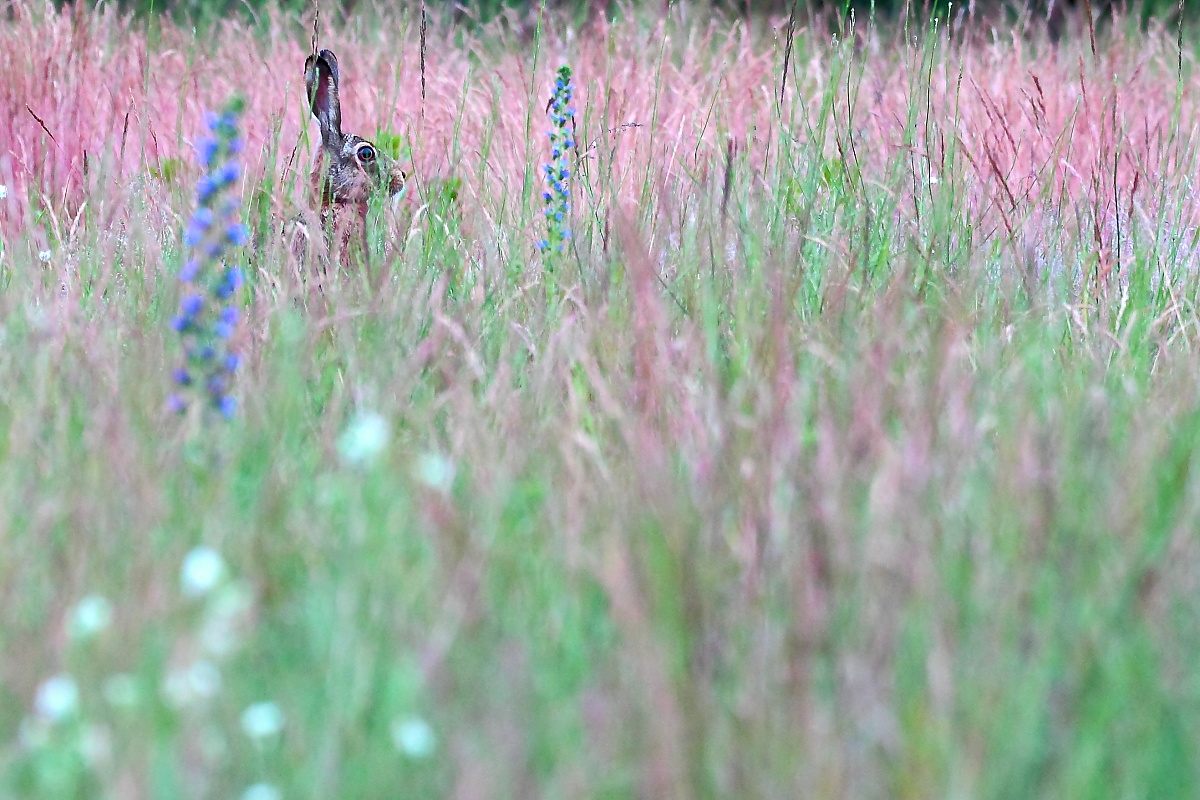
(348, 169)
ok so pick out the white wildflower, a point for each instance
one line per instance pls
(57, 698)
(262, 791)
(203, 569)
(3, 191)
(364, 438)
(435, 471)
(262, 720)
(91, 616)
(200, 681)
(413, 737)
(44, 256)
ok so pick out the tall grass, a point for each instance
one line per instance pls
(854, 454)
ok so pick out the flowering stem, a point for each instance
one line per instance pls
(208, 312)
(557, 194)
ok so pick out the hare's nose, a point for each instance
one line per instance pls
(396, 182)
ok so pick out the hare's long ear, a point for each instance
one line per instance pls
(321, 78)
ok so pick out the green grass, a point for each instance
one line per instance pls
(846, 493)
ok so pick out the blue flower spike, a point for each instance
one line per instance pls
(208, 311)
(557, 195)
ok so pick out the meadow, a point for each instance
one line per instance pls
(847, 450)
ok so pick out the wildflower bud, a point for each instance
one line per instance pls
(237, 234)
(205, 189)
(206, 150)
(229, 173)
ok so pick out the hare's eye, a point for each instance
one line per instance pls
(366, 153)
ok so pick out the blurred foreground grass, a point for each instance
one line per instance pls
(834, 488)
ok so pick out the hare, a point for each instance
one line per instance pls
(348, 169)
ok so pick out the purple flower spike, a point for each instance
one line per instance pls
(238, 236)
(557, 195)
(227, 406)
(205, 188)
(206, 150)
(191, 304)
(207, 316)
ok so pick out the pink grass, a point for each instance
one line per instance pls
(1034, 123)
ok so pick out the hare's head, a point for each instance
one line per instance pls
(349, 169)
